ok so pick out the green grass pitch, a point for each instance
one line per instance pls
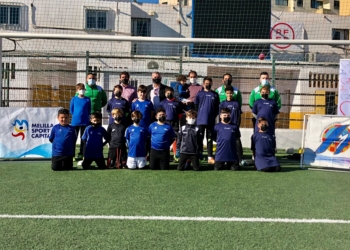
(32, 188)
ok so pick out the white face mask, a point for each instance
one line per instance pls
(193, 80)
(191, 121)
(264, 82)
(91, 82)
(81, 91)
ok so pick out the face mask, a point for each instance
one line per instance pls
(170, 96)
(157, 80)
(263, 128)
(161, 119)
(118, 94)
(208, 87)
(264, 82)
(226, 119)
(125, 81)
(81, 91)
(118, 118)
(191, 121)
(193, 80)
(136, 120)
(227, 82)
(265, 96)
(91, 82)
(95, 125)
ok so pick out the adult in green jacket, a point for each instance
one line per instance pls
(227, 81)
(255, 94)
(96, 94)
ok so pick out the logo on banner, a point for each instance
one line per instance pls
(282, 31)
(335, 139)
(20, 128)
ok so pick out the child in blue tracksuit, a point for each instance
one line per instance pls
(235, 117)
(63, 139)
(118, 102)
(162, 136)
(93, 138)
(136, 137)
(80, 108)
(225, 135)
(144, 106)
(263, 147)
(207, 105)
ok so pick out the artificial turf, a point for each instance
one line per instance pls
(32, 188)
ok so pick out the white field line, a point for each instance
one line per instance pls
(171, 218)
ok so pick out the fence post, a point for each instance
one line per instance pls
(87, 62)
(273, 71)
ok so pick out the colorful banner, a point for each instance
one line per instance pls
(25, 132)
(327, 141)
(344, 88)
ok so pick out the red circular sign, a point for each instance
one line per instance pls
(282, 31)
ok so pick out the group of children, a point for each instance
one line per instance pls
(137, 131)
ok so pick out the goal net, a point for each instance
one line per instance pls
(140, 37)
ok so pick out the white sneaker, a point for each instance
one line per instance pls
(80, 163)
(253, 157)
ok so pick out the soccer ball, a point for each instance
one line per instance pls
(262, 56)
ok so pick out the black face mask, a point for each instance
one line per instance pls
(118, 119)
(95, 125)
(226, 119)
(125, 81)
(265, 96)
(263, 128)
(161, 119)
(208, 87)
(170, 96)
(118, 94)
(136, 120)
(157, 80)
(228, 82)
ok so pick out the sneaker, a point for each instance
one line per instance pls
(211, 161)
(244, 163)
(253, 157)
(80, 163)
(234, 168)
(188, 164)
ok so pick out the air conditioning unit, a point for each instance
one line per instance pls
(185, 51)
(311, 57)
(152, 65)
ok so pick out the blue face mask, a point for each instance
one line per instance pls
(91, 82)
(264, 82)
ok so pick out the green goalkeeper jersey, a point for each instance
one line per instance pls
(255, 95)
(237, 96)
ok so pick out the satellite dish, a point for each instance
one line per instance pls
(152, 65)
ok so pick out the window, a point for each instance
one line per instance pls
(96, 19)
(336, 5)
(282, 2)
(8, 72)
(300, 3)
(340, 34)
(316, 4)
(140, 27)
(9, 15)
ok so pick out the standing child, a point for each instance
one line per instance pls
(207, 105)
(93, 137)
(63, 138)
(263, 147)
(225, 135)
(118, 102)
(144, 106)
(189, 143)
(117, 148)
(173, 109)
(181, 91)
(267, 108)
(235, 117)
(80, 108)
(136, 137)
(162, 136)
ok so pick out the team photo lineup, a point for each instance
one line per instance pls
(147, 121)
